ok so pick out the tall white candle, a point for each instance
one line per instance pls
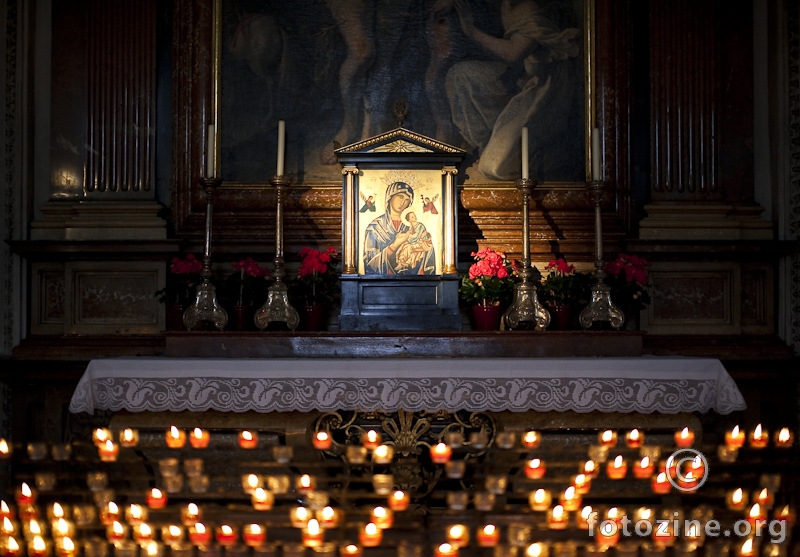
(597, 174)
(525, 153)
(281, 145)
(210, 152)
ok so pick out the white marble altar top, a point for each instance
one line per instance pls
(644, 384)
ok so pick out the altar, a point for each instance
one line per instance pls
(667, 385)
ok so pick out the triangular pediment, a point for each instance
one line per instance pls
(400, 140)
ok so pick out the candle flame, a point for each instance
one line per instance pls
(136, 511)
(198, 433)
(155, 493)
(4, 507)
(685, 433)
(351, 548)
(173, 432)
(38, 543)
(737, 495)
(589, 467)
(379, 512)
(612, 513)
(784, 435)
(192, 509)
(580, 479)
(301, 513)
(247, 436)
(3, 446)
(116, 527)
(260, 494)
(200, 528)
(255, 529)
(227, 530)
(328, 513)
(152, 548)
(607, 436)
(558, 512)
(755, 511)
(145, 530)
(174, 530)
(382, 451)
(399, 495)
(645, 462)
(634, 435)
(34, 527)
(252, 480)
(618, 461)
(322, 436)
(305, 481)
(127, 435)
(534, 550)
(456, 531)
(372, 436)
(26, 490)
(757, 432)
(539, 496)
(62, 527)
(735, 431)
(531, 437)
(747, 546)
(489, 529)
(764, 494)
(8, 528)
(586, 512)
(445, 548)
(371, 529)
(661, 478)
(12, 544)
(645, 513)
(569, 493)
(100, 434)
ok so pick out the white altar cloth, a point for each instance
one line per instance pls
(646, 384)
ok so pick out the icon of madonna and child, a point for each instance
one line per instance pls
(396, 243)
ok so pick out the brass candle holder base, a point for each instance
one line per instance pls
(601, 308)
(526, 306)
(205, 306)
(277, 307)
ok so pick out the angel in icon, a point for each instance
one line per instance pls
(428, 205)
(369, 203)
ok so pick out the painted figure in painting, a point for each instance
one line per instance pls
(412, 252)
(428, 205)
(369, 204)
(387, 250)
(528, 84)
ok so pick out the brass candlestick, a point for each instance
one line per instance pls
(601, 308)
(205, 306)
(277, 306)
(526, 305)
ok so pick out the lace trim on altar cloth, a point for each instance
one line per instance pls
(390, 395)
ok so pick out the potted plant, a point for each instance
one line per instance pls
(627, 277)
(247, 285)
(564, 289)
(488, 286)
(317, 284)
(179, 290)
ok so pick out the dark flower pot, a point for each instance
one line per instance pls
(313, 317)
(242, 318)
(175, 317)
(487, 318)
(560, 317)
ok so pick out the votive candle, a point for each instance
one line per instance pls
(684, 438)
(734, 438)
(784, 438)
(175, 438)
(535, 469)
(128, 438)
(617, 469)
(557, 518)
(254, 535)
(759, 438)
(399, 500)
(488, 535)
(248, 439)
(531, 439)
(370, 535)
(200, 438)
(440, 453)
(607, 438)
(226, 535)
(371, 439)
(156, 499)
(262, 499)
(322, 441)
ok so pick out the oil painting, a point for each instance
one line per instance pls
(400, 226)
(471, 74)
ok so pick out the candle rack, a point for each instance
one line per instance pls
(205, 306)
(277, 307)
(490, 486)
(525, 306)
(601, 308)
